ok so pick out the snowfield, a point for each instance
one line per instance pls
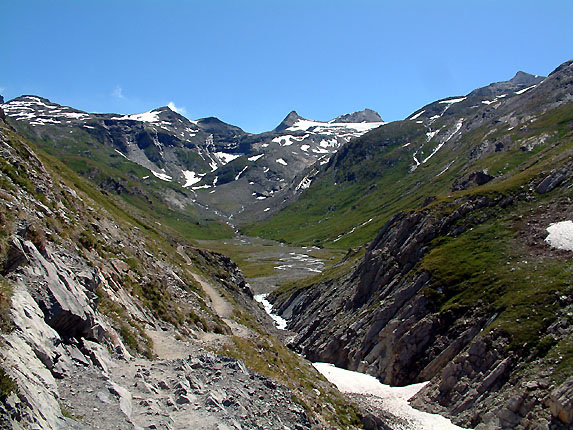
(143, 117)
(191, 178)
(394, 399)
(561, 235)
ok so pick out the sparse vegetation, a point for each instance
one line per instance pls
(6, 289)
(268, 356)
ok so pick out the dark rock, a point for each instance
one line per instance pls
(471, 180)
(15, 257)
(366, 115)
(553, 180)
(289, 120)
(372, 422)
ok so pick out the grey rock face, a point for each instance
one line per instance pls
(366, 115)
(66, 303)
(561, 402)
(380, 318)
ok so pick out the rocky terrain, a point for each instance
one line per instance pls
(111, 320)
(111, 317)
(461, 290)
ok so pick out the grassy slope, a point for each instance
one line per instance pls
(109, 170)
(374, 181)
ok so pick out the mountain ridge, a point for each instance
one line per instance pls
(457, 283)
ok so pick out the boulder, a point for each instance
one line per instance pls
(561, 402)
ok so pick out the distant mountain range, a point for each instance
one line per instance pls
(224, 167)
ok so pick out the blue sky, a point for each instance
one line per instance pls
(251, 62)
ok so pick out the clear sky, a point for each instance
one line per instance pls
(250, 62)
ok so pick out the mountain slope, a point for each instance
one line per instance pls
(255, 183)
(105, 316)
(116, 153)
(222, 171)
(459, 285)
(399, 165)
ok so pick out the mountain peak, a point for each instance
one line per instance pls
(366, 115)
(522, 78)
(289, 120)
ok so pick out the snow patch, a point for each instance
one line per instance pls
(162, 176)
(144, 117)
(304, 184)
(225, 157)
(120, 153)
(288, 139)
(255, 157)
(430, 135)
(240, 173)
(281, 161)
(525, 89)
(415, 159)
(561, 235)
(446, 168)
(417, 115)
(318, 127)
(461, 99)
(394, 399)
(191, 178)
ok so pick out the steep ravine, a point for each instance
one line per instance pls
(434, 299)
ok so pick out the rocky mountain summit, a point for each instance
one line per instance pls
(366, 115)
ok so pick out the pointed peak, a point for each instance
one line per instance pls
(163, 109)
(366, 115)
(522, 78)
(289, 120)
